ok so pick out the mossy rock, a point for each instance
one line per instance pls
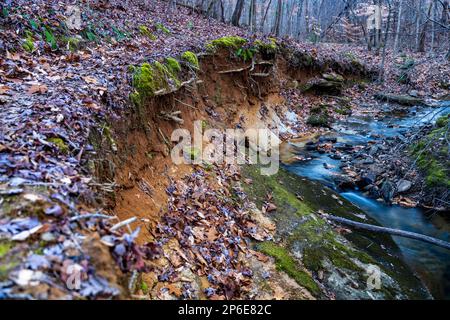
(318, 120)
(301, 233)
(400, 99)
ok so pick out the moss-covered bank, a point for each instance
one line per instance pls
(306, 244)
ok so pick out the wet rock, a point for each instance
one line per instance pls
(403, 185)
(335, 156)
(328, 139)
(373, 150)
(368, 178)
(387, 191)
(344, 182)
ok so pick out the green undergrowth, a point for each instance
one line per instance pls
(244, 49)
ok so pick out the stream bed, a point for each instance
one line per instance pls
(429, 262)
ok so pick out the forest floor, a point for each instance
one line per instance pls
(57, 84)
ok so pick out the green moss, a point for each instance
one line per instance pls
(28, 44)
(62, 146)
(5, 268)
(436, 174)
(149, 78)
(173, 65)
(191, 58)
(318, 120)
(232, 42)
(432, 156)
(144, 30)
(442, 121)
(286, 263)
(144, 287)
(4, 248)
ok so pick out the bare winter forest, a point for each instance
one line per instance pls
(224, 150)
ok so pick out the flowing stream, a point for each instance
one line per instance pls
(430, 263)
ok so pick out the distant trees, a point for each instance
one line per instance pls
(421, 25)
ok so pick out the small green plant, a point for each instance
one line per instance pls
(145, 31)
(161, 27)
(246, 53)
(89, 34)
(50, 38)
(34, 24)
(5, 12)
(72, 43)
(28, 44)
(119, 34)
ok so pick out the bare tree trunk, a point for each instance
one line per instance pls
(385, 42)
(418, 10)
(252, 16)
(265, 15)
(299, 18)
(424, 30)
(433, 26)
(399, 19)
(277, 25)
(307, 17)
(237, 13)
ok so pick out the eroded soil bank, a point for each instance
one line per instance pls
(229, 232)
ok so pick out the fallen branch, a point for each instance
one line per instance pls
(396, 232)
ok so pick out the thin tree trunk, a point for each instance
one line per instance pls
(277, 25)
(424, 30)
(399, 19)
(299, 18)
(385, 43)
(265, 15)
(237, 13)
(418, 10)
(253, 15)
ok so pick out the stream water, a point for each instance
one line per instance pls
(430, 263)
